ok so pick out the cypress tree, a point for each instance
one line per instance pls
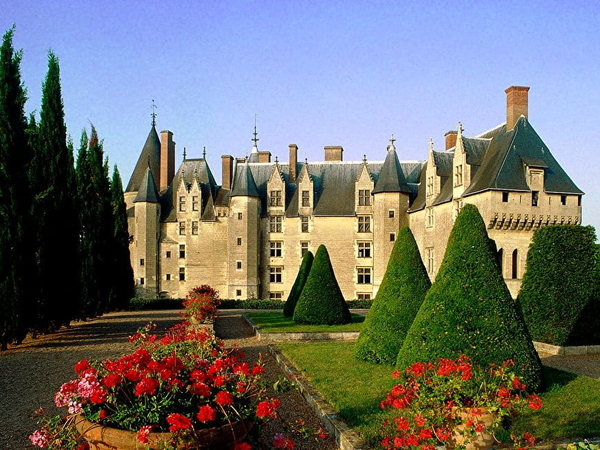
(290, 303)
(469, 310)
(16, 252)
(56, 214)
(321, 300)
(398, 300)
(122, 278)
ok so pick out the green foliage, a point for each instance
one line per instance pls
(321, 300)
(559, 296)
(398, 300)
(292, 300)
(359, 304)
(469, 310)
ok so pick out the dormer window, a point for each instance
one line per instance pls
(458, 175)
(194, 203)
(364, 197)
(182, 203)
(275, 198)
(429, 186)
(305, 198)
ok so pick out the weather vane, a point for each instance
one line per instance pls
(153, 113)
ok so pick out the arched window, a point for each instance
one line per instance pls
(515, 264)
(500, 260)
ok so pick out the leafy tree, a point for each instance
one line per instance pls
(469, 310)
(398, 300)
(122, 277)
(558, 295)
(321, 300)
(290, 303)
(54, 187)
(16, 252)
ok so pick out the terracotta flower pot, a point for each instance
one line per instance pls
(483, 440)
(100, 437)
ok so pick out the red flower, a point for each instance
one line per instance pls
(425, 433)
(102, 414)
(147, 386)
(178, 422)
(517, 385)
(224, 398)
(535, 402)
(402, 424)
(111, 380)
(281, 442)
(206, 413)
(257, 370)
(200, 389)
(267, 409)
(142, 434)
(82, 365)
(242, 446)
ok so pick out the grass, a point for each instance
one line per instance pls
(571, 403)
(275, 322)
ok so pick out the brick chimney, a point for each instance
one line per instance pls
(450, 139)
(226, 171)
(293, 163)
(264, 156)
(167, 160)
(517, 103)
(334, 153)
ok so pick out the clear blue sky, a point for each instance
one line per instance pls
(318, 73)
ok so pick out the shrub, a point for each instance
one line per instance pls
(321, 301)
(559, 294)
(469, 309)
(290, 303)
(398, 300)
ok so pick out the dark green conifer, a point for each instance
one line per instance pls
(17, 306)
(398, 300)
(469, 310)
(292, 300)
(321, 300)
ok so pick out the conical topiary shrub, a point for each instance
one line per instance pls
(321, 300)
(398, 300)
(290, 303)
(558, 295)
(468, 309)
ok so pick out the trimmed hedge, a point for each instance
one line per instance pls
(290, 303)
(559, 294)
(398, 300)
(321, 301)
(469, 309)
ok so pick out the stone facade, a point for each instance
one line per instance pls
(246, 237)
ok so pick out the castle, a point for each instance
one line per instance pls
(246, 237)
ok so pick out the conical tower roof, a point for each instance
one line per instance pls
(147, 192)
(149, 158)
(244, 184)
(391, 177)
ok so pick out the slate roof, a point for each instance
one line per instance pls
(147, 191)
(391, 178)
(149, 157)
(244, 184)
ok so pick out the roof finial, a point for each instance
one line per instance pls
(364, 159)
(392, 146)
(431, 144)
(153, 115)
(204, 154)
(184, 153)
(276, 160)
(459, 129)
(255, 138)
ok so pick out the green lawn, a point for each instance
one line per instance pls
(275, 322)
(355, 388)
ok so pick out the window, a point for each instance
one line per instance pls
(195, 227)
(275, 295)
(504, 197)
(515, 264)
(168, 254)
(392, 237)
(182, 251)
(275, 224)
(142, 262)
(563, 200)
(238, 292)
(275, 249)
(182, 203)
(500, 259)
(429, 255)
(391, 213)
(363, 296)
(429, 191)
(168, 277)
(303, 248)
(240, 218)
(194, 203)
(305, 198)
(364, 224)
(364, 275)
(459, 175)
(275, 274)
(238, 265)
(239, 241)
(182, 274)
(182, 228)
(429, 217)
(304, 224)
(275, 198)
(142, 280)
(364, 197)
(535, 196)
(364, 249)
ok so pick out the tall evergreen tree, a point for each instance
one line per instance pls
(290, 303)
(55, 208)
(16, 252)
(122, 278)
(398, 300)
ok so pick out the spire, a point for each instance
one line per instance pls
(459, 129)
(392, 146)
(184, 153)
(253, 158)
(149, 157)
(148, 192)
(153, 115)
(431, 144)
(244, 184)
(204, 154)
(391, 178)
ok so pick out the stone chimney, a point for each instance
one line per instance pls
(334, 153)
(450, 139)
(293, 163)
(167, 160)
(517, 103)
(264, 156)
(226, 171)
